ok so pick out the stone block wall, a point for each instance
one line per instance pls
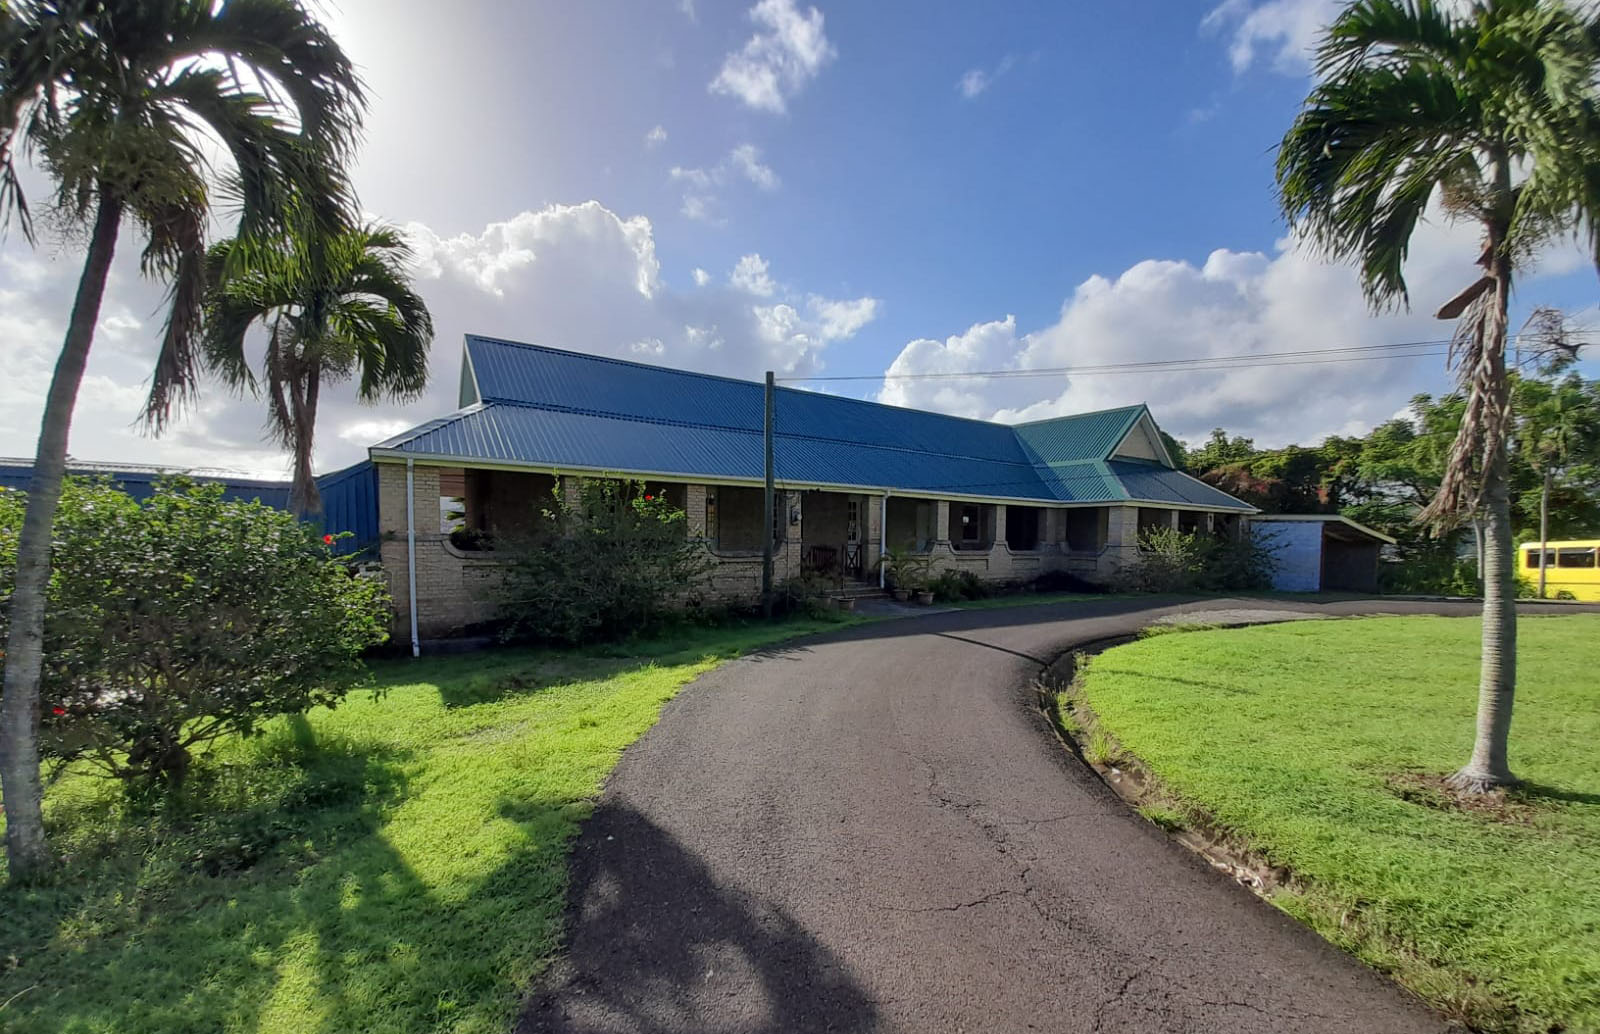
(456, 590)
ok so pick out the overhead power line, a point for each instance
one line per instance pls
(1243, 361)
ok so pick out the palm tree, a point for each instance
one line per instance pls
(119, 103)
(1559, 423)
(332, 306)
(1494, 112)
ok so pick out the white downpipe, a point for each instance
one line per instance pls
(883, 538)
(411, 553)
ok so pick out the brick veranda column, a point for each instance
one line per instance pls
(694, 506)
(1122, 537)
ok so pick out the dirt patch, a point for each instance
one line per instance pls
(1431, 791)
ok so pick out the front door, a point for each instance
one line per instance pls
(851, 563)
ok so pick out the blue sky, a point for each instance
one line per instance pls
(828, 189)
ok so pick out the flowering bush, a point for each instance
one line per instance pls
(182, 618)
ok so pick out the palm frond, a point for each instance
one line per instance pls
(176, 252)
(1403, 31)
(1358, 166)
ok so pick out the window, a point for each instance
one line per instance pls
(971, 523)
(1575, 557)
(1022, 527)
(1531, 558)
(1086, 528)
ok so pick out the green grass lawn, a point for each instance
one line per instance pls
(1309, 740)
(396, 865)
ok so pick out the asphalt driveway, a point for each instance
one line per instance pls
(876, 831)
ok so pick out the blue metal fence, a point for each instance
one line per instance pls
(349, 496)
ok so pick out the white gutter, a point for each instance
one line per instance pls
(411, 554)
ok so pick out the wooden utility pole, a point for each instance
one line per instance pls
(771, 508)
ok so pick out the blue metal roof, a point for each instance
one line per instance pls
(349, 496)
(555, 409)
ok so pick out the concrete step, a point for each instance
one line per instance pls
(856, 591)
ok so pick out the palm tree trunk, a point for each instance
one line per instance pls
(305, 500)
(27, 854)
(1497, 679)
(1544, 525)
(1477, 545)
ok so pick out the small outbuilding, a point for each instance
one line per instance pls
(1321, 552)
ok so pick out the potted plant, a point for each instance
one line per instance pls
(899, 571)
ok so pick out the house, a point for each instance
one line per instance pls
(1321, 552)
(1008, 503)
(349, 496)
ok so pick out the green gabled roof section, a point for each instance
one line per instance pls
(1080, 437)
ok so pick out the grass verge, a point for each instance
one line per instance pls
(396, 865)
(1319, 745)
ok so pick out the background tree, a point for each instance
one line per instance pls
(119, 104)
(1219, 451)
(1495, 113)
(333, 306)
(1557, 427)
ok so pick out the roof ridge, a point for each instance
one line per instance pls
(1074, 416)
(612, 360)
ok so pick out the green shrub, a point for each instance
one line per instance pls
(1174, 561)
(804, 593)
(616, 564)
(946, 586)
(182, 618)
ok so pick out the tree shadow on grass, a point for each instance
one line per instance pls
(523, 672)
(1541, 792)
(167, 920)
(500, 682)
(657, 946)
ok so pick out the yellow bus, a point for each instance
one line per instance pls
(1568, 567)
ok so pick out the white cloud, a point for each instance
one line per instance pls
(746, 159)
(701, 277)
(572, 276)
(656, 137)
(976, 80)
(702, 197)
(1283, 32)
(842, 318)
(787, 51)
(496, 257)
(1234, 303)
(362, 433)
(750, 275)
(687, 7)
